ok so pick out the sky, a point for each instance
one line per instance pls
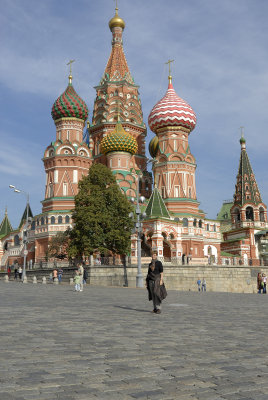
(220, 69)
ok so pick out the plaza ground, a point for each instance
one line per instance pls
(104, 343)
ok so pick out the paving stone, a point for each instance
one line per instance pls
(105, 344)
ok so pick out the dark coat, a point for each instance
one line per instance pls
(159, 290)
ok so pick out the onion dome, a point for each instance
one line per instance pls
(119, 140)
(154, 146)
(171, 110)
(116, 21)
(69, 105)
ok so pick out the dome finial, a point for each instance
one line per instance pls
(70, 75)
(169, 70)
(242, 139)
(116, 21)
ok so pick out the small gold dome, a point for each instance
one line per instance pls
(116, 21)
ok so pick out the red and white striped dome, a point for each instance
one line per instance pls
(171, 110)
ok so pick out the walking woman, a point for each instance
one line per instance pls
(154, 283)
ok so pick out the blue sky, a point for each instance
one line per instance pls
(220, 69)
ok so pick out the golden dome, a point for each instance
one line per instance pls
(116, 21)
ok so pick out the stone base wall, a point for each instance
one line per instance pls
(240, 279)
(218, 278)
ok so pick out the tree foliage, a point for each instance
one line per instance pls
(58, 245)
(101, 215)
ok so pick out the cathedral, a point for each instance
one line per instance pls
(174, 226)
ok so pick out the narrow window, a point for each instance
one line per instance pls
(65, 189)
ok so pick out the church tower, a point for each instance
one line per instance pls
(248, 208)
(172, 120)
(248, 214)
(117, 98)
(68, 158)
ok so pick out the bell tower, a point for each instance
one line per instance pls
(117, 98)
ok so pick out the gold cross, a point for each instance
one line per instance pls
(70, 63)
(242, 131)
(169, 62)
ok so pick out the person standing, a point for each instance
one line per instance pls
(55, 274)
(81, 274)
(259, 282)
(9, 272)
(199, 284)
(85, 276)
(60, 272)
(154, 280)
(204, 285)
(264, 279)
(77, 280)
(16, 272)
(20, 273)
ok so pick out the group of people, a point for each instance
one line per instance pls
(201, 285)
(80, 278)
(17, 272)
(261, 282)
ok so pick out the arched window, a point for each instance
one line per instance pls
(37, 222)
(16, 240)
(195, 222)
(185, 222)
(200, 223)
(52, 220)
(262, 215)
(207, 227)
(249, 214)
(67, 219)
(140, 185)
(237, 215)
(60, 220)
(42, 221)
(33, 226)
(214, 228)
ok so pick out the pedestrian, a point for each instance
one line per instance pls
(154, 283)
(60, 273)
(264, 279)
(55, 274)
(20, 273)
(8, 272)
(204, 285)
(199, 284)
(77, 280)
(85, 276)
(81, 274)
(16, 273)
(259, 282)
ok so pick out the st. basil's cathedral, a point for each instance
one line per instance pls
(174, 225)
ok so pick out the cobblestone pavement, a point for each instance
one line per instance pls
(104, 343)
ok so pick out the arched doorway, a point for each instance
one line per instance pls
(146, 246)
(249, 214)
(166, 250)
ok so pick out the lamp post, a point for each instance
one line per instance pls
(138, 229)
(25, 239)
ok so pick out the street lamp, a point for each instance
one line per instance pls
(25, 241)
(138, 228)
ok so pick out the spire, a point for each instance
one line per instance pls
(246, 190)
(156, 206)
(169, 70)
(117, 68)
(70, 75)
(5, 227)
(23, 218)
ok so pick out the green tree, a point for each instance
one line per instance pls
(101, 216)
(58, 245)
